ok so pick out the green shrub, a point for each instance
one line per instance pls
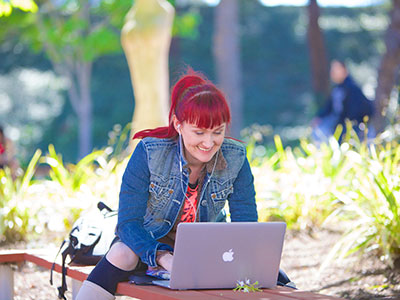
(353, 186)
(79, 187)
(295, 185)
(71, 177)
(17, 219)
(371, 205)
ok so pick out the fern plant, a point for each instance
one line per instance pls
(371, 205)
(16, 218)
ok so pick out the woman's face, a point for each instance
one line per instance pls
(200, 143)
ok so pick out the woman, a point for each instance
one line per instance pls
(180, 173)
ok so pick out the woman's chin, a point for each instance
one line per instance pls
(205, 157)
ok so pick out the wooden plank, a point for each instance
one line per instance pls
(278, 293)
(159, 293)
(11, 256)
(301, 295)
(265, 294)
(150, 292)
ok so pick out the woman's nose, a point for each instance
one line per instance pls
(208, 141)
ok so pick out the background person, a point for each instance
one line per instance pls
(179, 173)
(346, 101)
(8, 154)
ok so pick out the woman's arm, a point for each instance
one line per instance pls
(242, 202)
(133, 199)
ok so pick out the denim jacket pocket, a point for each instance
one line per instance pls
(219, 198)
(159, 197)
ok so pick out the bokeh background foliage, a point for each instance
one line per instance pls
(276, 71)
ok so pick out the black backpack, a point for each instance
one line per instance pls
(89, 240)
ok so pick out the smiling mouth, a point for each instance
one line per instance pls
(204, 149)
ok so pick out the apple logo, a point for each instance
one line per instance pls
(228, 256)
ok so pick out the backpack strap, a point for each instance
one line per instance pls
(54, 263)
(63, 288)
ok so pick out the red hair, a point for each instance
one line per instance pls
(196, 100)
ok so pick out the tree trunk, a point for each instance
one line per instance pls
(318, 57)
(84, 73)
(388, 69)
(227, 59)
(79, 73)
(81, 101)
(175, 55)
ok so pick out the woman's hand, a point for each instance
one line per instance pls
(164, 259)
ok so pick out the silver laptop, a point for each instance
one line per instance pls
(218, 255)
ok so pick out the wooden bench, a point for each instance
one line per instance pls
(78, 274)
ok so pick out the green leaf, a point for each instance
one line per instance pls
(186, 25)
(5, 9)
(30, 171)
(25, 5)
(100, 42)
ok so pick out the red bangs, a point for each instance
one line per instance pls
(205, 109)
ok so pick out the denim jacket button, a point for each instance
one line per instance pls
(213, 196)
(204, 202)
(170, 191)
(152, 185)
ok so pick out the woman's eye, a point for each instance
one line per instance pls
(199, 132)
(218, 132)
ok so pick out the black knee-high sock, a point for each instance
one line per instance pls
(107, 275)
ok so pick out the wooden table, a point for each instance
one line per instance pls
(44, 258)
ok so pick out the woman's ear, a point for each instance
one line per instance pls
(177, 124)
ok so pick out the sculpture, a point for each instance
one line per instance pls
(146, 38)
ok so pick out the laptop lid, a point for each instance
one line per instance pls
(217, 255)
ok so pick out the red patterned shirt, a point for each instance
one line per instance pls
(190, 205)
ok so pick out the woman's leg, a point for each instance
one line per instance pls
(121, 256)
(115, 267)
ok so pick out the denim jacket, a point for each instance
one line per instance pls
(152, 194)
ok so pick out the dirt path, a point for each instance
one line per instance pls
(353, 278)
